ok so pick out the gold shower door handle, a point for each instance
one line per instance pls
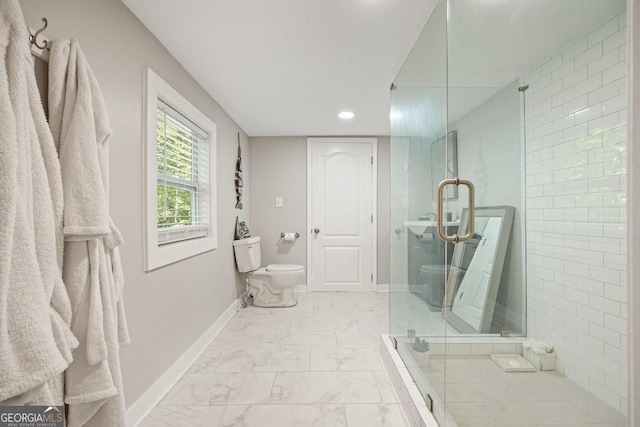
(472, 209)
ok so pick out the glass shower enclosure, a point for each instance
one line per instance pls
(508, 227)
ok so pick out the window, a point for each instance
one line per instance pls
(182, 153)
(181, 147)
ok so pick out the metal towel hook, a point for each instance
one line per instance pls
(33, 38)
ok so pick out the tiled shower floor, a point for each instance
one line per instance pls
(479, 393)
(315, 364)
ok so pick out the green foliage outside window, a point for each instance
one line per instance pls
(177, 186)
(174, 206)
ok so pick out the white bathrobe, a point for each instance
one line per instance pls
(92, 273)
(35, 339)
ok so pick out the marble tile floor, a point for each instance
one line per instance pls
(410, 312)
(315, 364)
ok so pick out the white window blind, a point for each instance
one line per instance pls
(183, 177)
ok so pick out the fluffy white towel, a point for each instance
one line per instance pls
(35, 340)
(80, 127)
(89, 378)
(541, 347)
(537, 346)
(92, 271)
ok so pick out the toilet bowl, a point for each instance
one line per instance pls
(271, 286)
(433, 278)
(433, 281)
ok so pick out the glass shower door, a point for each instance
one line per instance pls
(456, 218)
(419, 259)
(486, 289)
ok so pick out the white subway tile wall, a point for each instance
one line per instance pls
(575, 118)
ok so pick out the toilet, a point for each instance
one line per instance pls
(433, 281)
(271, 286)
(434, 278)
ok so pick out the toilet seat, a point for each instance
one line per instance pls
(283, 267)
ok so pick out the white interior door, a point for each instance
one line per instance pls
(341, 181)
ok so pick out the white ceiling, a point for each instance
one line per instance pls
(287, 67)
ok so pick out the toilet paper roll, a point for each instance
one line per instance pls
(289, 237)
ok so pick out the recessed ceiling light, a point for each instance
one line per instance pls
(346, 115)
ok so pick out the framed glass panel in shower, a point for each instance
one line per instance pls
(537, 97)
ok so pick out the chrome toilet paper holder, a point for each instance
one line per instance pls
(282, 235)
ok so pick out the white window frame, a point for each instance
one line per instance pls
(155, 255)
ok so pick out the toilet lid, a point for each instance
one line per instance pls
(284, 267)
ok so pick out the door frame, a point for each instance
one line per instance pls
(373, 141)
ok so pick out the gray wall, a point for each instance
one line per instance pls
(279, 168)
(171, 307)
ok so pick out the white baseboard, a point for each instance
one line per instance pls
(382, 287)
(154, 394)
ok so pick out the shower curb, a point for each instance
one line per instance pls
(411, 401)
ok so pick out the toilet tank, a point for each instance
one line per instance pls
(248, 257)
